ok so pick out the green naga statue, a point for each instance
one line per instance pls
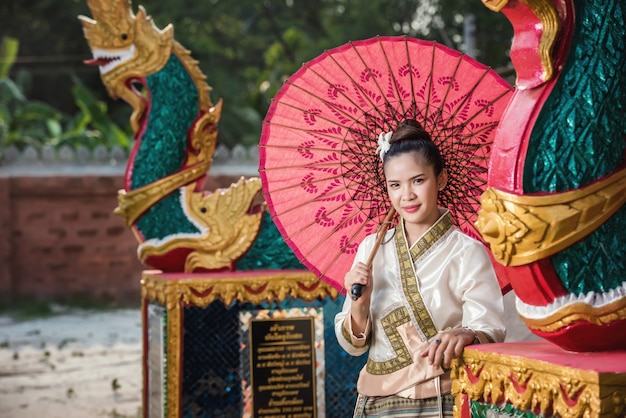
(179, 227)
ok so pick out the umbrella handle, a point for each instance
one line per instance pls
(357, 289)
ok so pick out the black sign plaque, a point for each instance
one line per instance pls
(282, 363)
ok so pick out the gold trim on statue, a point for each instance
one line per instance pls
(203, 290)
(578, 312)
(531, 385)
(523, 229)
(550, 23)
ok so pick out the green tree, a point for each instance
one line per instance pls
(247, 48)
(24, 121)
(52, 49)
(493, 32)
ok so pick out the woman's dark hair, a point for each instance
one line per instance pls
(410, 136)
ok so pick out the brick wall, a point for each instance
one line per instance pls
(60, 241)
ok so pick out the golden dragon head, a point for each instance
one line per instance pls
(124, 45)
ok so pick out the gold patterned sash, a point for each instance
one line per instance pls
(407, 269)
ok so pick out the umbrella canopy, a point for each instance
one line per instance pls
(322, 178)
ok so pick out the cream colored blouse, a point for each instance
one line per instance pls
(455, 287)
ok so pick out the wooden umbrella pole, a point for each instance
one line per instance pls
(382, 230)
(357, 289)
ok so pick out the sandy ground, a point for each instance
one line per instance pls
(74, 364)
(88, 364)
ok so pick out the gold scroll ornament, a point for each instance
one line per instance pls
(521, 229)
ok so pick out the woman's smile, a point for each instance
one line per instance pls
(411, 208)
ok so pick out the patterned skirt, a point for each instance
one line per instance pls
(395, 406)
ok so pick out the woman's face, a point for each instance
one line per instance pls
(413, 188)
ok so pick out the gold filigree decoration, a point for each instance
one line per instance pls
(228, 229)
(249, 286)
(523, 229)
(533, 385)
(174, 362)
(548, 18)
(578, 312)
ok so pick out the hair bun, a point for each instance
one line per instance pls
(410, 129)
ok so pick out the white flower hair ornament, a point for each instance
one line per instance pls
(383, 143)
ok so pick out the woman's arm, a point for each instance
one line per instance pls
(352, 324)
(481, 305)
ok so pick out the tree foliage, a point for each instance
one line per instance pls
(26, 122)
(247, 48)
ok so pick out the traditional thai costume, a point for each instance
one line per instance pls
(444, 280)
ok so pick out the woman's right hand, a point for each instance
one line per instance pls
(359, 310)
(359, 274)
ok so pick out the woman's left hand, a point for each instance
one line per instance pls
(448, 345)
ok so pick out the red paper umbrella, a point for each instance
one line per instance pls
(322, 178)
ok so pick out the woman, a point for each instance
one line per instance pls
(431, 290)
